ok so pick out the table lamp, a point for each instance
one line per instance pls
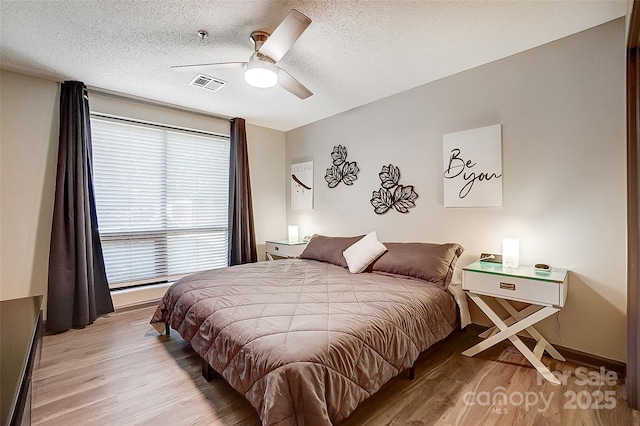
(293, 234)
(510, 252)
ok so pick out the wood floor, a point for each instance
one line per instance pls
(120, 372)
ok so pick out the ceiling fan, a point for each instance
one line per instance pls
(261, 69)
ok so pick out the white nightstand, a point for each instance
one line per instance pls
(284, 249)
(546, 293)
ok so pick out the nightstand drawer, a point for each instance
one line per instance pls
(284, 250)
(513, 288)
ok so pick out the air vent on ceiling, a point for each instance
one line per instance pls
(206, 82)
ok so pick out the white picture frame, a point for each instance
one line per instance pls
(301, 178)
(472, 171)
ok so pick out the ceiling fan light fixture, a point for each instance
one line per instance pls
(261, 74)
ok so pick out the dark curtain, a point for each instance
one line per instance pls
(632, 380)
(242, 238)
(78, 290)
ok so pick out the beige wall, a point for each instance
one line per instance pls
(562, 109)
(28, 153)
(29, 122)
(628, 17)
(155, 113)
(267, 164)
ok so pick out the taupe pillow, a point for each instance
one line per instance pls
(430, 262)
(328, 249)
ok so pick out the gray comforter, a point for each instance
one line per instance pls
(306, 341)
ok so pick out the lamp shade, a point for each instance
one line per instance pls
(510, 252)
(261, 74)
(293, 234)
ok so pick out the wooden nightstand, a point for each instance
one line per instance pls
(546, 293)
(284, 249)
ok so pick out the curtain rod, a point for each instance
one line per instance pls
(145, 101)
(152, 124)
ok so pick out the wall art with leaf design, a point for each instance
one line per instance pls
(341, 170)
(392, 194)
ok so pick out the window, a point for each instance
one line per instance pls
(162, 200)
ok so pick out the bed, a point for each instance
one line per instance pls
(305, 340)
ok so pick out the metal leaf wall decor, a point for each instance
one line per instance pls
(341, 170)
(392, 194)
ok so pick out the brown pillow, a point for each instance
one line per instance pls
(329, 249)
(430, 262)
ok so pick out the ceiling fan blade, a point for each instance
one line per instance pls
(214, 65)
(292, 85)
(285, 34)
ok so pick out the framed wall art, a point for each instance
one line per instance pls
(302, 186)
(473, 167)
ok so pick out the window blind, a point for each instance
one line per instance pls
(162, 201)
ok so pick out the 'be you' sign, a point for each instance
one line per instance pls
(473, 167)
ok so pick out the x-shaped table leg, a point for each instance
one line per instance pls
(523, 313)
(518, 322)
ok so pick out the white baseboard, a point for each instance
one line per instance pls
(138, 295)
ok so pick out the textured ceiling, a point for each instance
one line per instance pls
(353, 53)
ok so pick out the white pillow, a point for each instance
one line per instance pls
(362, 253)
